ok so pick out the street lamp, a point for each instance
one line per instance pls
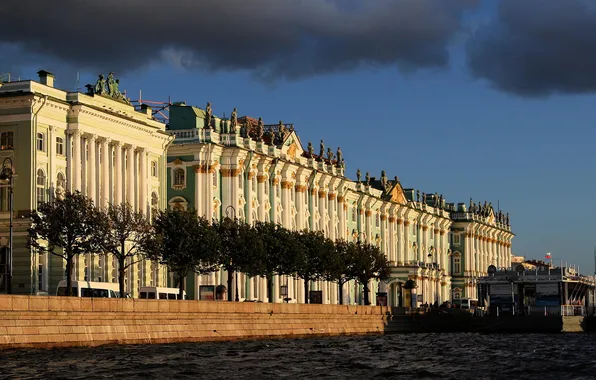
(6, 174)
(230, 207)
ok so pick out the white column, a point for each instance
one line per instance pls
(199, 190)
(91, 165)
(118, 163)
(76, 160)
(106, 163)
(130, 171)
(142, 180)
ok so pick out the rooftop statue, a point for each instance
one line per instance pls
(321, 149)
(343, 164)
(311, 150)
(281, 129)
(383, 178)
(358, 175)
(417, 195)
(100, 86)
(329, 154)
(260, 129)
(233, 121)
(208, 115)
(340, 156)
(367, 178)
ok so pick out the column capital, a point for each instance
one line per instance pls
(74, 132)
(106, 140)
(141, 149)
(52, 128)
(92, 136)
(131, 147)
(118, 144)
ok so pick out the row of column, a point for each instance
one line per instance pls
(108, 171)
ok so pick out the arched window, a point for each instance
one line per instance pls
(154, 204)
(179, 177)
(60, 185)
(41, 186)
(456, 293)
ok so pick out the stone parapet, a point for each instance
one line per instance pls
(37, 321)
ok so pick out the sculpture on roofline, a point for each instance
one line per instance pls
(329, 154)
(260, 129)
(311, 150)
(208, 115)
(358, 175)
(340, 156)
(321, 149)
(383, 179)
(100, 86)
(233, 121)
(367, 178)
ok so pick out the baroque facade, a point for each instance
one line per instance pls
(261, 172)
(95, 143)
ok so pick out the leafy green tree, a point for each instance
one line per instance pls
(66, 227)
(279, 252)
(184, 242)
(122, 232)
(367, 262)
(239, 250)
(339, 268)
(312, 257)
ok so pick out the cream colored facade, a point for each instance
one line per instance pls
(78, 142)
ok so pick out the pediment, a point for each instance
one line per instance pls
(292, 147)
(397, 195)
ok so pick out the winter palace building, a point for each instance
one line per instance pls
(101, 145)
(262, 172)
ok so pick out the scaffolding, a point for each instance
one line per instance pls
(159, 110)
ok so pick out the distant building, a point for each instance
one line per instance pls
(97, 144)
(480, 237)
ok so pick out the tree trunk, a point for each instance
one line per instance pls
(306, 290)
(365, 284)
(121, 276)
(69, 260)
(230, 284)
(340, 285)
(269, 287)
(182, 278)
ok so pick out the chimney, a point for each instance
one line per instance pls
(45, 77)
(147, 110)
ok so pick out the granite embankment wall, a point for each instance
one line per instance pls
(37, 321)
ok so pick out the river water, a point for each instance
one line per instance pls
(399, 356)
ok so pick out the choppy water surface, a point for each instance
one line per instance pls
(410, 356)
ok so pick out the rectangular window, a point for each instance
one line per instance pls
(456, 240)
(6, 141)
(40, 142)
(154, 168)
(60, 146)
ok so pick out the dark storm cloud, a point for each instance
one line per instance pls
(272, 38)
(538, 47)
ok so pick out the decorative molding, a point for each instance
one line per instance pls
(261, 178)
(331, 196)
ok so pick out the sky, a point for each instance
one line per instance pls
(485, 99)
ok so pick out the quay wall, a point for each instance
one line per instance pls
(49, 321)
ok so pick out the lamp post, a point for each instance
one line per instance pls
(230, 207)
(6, 174)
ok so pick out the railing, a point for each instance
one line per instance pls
(573, 310)
(185, 134)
